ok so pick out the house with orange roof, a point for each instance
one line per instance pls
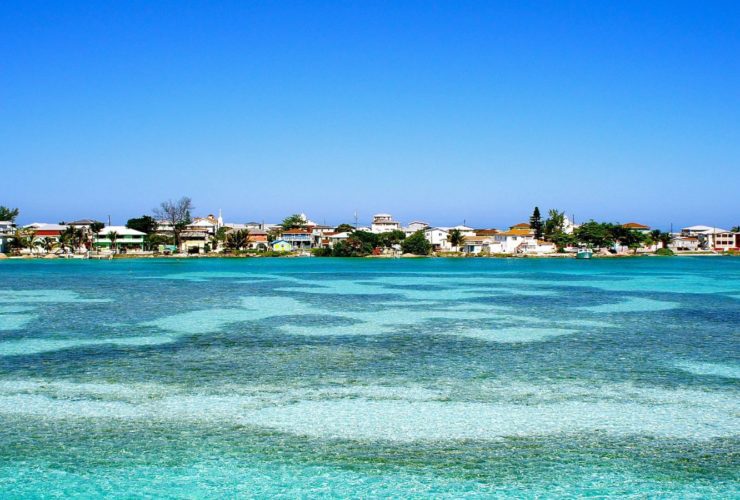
(636, 226)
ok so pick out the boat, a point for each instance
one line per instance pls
(584, 253)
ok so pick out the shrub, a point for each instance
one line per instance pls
(664, 251)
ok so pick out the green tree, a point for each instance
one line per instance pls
(8, 214)
(535, 222)
(555, 224)
(632, 239)
(595, 235)
(293, 222)
(48, 244)
(416, 244)
(456, 238)
(389, 238)
(23, 239)
(146, 224)
(344, 228)
(237, 240)
(735, 229)
(113, 237)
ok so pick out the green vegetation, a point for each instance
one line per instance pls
(456, 238)
(8, 214)
(735, 229)
(535, 222)
(146, 224)
(237, 240)
(664, 251)
(344, 228)
(293, 222)
(416, 244)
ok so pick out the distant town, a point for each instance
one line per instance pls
(170, 230)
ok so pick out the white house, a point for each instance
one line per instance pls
(7, 228)
(518, 240)
(414, 226)
(384, 223)
(438, 237)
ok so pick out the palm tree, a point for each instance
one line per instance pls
(113, 237)
(48, 244)
(19, 240)
(456, 238)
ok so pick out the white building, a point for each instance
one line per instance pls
(414, 226)
(7, 228)
(438, 237)
(705, 234)
(384, 223)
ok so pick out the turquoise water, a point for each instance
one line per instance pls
(404, 378)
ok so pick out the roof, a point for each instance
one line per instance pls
(43, 226)
(121, 231)
(516, 232)
(521, 225)
(705, 229)
(471, 239)
(635, 225)
(297, 231)
(486, 232)
(82, 222)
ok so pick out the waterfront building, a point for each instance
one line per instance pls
(384, 223)
(298, 238)
(439, 239)
(705, 234)
(43, 229)
(281, 246)
(127, 239)
(7, 228)
(518, 239)
(636, 226)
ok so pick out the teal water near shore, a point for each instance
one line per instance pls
(363, 377)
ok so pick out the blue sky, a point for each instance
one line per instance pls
(441, 111)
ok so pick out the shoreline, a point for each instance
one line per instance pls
(381, 257)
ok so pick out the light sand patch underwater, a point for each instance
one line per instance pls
(15, 321)
(384, 414)
(632, 304)
(710, 369)
(513, 335)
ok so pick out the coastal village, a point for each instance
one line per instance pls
(173, 232)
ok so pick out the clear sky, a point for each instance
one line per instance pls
(440, 111)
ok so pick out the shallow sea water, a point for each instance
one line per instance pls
(375, 378)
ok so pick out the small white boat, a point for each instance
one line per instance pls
(584, 253)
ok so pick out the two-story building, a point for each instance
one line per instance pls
(298, 238)
(126, 239)
(7, 228)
